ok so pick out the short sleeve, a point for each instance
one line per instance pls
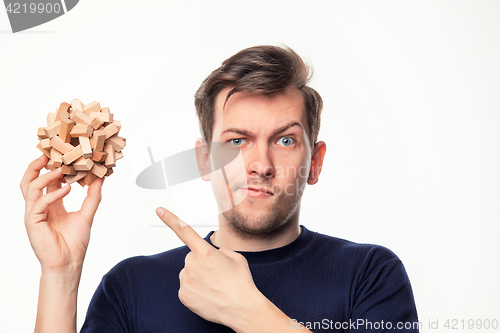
(383, 301)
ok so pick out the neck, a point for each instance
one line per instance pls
(228, 238)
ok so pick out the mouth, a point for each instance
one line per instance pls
(258, 191)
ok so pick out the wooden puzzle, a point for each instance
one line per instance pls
(82, 140)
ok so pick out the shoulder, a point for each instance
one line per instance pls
(367, 263)
(371, 277)
(356, 260)
(358, 251)
(144, 266)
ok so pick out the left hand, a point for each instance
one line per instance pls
(215, 284)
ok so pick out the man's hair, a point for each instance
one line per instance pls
(263, 70)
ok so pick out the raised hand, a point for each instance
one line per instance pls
(215, 284)
(59, 238)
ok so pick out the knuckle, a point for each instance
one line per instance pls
(45, 199)
(32, 164)
(186, 259)
(182, 232)
(240, 257)
(29, 188)
(205, 252)
(181, 295)
(23, 190)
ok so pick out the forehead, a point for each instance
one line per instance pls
(258, 113)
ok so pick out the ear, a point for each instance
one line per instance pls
(316, 162)
(203, 159)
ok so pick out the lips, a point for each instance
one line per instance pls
(261, 189)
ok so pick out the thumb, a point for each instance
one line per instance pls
(91, 202)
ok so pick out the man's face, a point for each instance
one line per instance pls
(261, 196)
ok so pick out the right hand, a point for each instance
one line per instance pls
(58, 238)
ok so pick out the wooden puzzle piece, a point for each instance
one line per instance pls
(85, 144)
(76, 104)
(91, 107)
(65, 130)
(82, 140)
(63, 113)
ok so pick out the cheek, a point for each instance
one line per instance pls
(221, 191)
(293, 171)
(226, 181)
(290, 179)
(236, 171)
(230, 160)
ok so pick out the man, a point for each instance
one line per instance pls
(261, 271)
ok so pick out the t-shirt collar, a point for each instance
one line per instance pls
(280, 254)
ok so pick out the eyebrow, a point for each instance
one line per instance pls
(251, 134)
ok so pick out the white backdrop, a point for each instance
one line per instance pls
(411, 122)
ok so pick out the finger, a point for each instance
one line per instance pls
(231, 254)
(185, 233)
(91, 202)
(54, 186)
(181, 273)
(41, 205)
(186, 258)
(32, 173)
(35, 188)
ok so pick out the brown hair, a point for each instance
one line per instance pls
(264, 70)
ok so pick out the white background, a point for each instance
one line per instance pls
(411, 122)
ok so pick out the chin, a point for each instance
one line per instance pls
(262, 226)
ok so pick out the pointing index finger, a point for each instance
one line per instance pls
(185, 233)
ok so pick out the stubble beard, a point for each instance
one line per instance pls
(277, 220)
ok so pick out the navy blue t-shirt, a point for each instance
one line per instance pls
(326, 283)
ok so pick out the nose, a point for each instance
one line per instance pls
(260, 162)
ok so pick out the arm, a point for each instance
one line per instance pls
(57, 302)
(217, 285)
(384, 295)
(59, 240)
(263, 316)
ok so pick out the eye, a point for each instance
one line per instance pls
(237, 142)
(286, 141)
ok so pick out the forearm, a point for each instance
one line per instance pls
(263, 316)
(57, 302)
